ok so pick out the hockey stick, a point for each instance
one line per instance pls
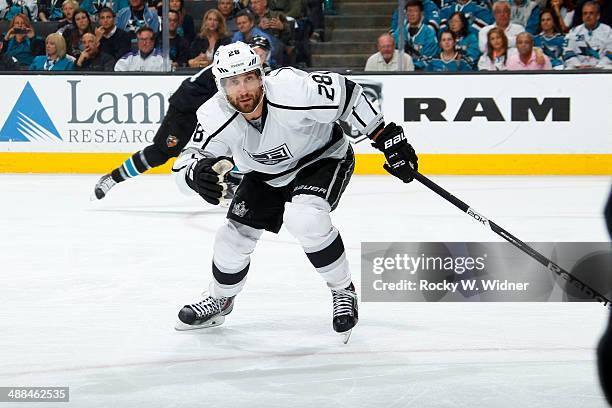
(571, 279)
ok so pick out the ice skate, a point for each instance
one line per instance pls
(209, 312)
(345, 311)
(103, 186)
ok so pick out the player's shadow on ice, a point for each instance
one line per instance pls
(170, 213)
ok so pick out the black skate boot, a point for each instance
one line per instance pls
(345, 311)
(103, 186)
(209, 312)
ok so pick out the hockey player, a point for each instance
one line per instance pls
(281, 131)
(176, 129)
(604, 349)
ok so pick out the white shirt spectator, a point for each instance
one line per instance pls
(588, 48)
(487, 64)
(135, 61)
(376, 62)
(511, 32)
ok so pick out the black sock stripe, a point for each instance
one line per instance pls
(117, 175)
(328, 255)
(229, 278)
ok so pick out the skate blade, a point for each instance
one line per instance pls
(94, 197)
(216, 321)
(346, 336)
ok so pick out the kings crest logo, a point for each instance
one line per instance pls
(272, 156)
(29, 121)
(240, 209)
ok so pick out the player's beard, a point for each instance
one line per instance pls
(247, 103)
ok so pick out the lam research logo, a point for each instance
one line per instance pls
(29, 121)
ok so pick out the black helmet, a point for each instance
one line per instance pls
(261, 42)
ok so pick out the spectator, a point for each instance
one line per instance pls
(466, 40)
(431, 15)
(314, 12)
(227, 10)
(93, 7)
(478, 15)
(605, 12)
(187, 24)
(564, 11)
(55, 58)
(449, 59)
(497, 51)
(549, 38)
(81, 24)
(136, 16)
(10, 8)
(186, 28)
(306, 25)
(111, 39)
(420, 39)
(247, 30)
(7, 63)
(69, 7)
(179, 46)
(21, 41)
(212, 35)
(501, 14)
(50, 10)
(146, 59)
(387, 57)
(526, 57)
(590, 44)
(91, 58)
(291, 8)
(276, 26)
(525, 13)
(273, 23)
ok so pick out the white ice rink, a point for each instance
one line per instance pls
(89, 294)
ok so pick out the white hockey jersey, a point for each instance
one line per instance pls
(588, 47)
(298, 118)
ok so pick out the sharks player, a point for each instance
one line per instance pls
(280, 130)
(177, 127)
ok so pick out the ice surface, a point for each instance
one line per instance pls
(89, 294)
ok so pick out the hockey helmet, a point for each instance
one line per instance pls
(235, 59)
(261, 42)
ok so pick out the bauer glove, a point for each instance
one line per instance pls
(401, 158)
(207, 178)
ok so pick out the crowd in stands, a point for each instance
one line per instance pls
(125, 35)
(514, 35)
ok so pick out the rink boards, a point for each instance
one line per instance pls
(459, 124)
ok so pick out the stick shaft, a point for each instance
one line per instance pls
(512, 239)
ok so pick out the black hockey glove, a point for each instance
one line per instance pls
(208, 178)
(401, 158)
